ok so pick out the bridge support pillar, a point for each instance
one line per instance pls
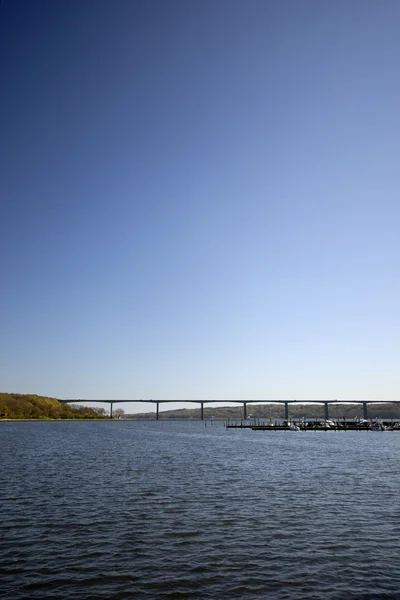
(157, 405)
(326, 412)
(111, 410)
(286, 411)
(202, 411)
(244, 410)
(365, 411)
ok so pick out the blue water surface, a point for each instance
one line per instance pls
(168, 510)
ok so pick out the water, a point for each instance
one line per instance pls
(158, 510)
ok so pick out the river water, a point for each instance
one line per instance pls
(159, 510)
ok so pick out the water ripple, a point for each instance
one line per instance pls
(174, 511)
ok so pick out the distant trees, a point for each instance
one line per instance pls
(87, 412)
(22, 406)
(118, 413)
(101, 412)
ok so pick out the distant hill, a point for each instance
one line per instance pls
(30, 406)
(388, 410)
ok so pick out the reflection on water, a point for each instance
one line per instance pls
(179, 510)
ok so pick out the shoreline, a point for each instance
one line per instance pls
(52, 420)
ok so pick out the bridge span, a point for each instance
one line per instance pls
(286, 403)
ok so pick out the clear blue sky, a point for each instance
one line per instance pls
(200, 199)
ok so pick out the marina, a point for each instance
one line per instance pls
(302, 425)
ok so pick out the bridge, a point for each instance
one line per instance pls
(286, 403)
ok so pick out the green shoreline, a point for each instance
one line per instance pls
(48, 420)
(29, 407)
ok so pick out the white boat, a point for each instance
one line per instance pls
(377, 426)
(293, 427)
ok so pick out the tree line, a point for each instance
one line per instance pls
(31, 406)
